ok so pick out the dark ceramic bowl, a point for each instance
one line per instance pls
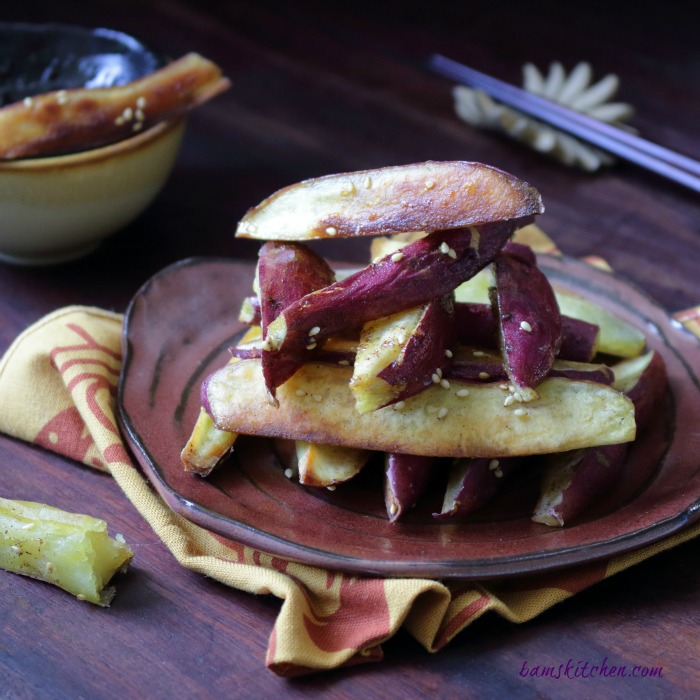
(38, 58)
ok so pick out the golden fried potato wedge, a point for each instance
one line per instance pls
(317, 405)
(430, 196)
(328, 465)
(82, 118)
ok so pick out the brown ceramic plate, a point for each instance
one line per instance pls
(178, 328)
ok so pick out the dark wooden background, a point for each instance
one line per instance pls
(323, 87)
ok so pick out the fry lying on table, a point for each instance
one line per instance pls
(450, 350)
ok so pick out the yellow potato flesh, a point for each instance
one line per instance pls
(317, 405)
(71, 551)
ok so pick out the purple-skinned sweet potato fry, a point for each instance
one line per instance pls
(405, 480)
(572, 481)
(529, 321)
(427, 353)
(286, 272)
(472, 483)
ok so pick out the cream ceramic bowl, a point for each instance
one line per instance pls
(60, 208)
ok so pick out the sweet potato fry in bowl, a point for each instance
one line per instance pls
(82, 118)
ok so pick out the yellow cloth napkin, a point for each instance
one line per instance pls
(57, 389)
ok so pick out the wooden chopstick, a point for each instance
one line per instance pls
(623, 144)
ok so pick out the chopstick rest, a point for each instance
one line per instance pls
(575, 90)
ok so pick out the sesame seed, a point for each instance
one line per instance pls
(27, 526)
(503, 387)
(493, 464)
(289, 473)
(478, 353)
(396, 257)
(435, 378)
(442, 412)
(444, 384)
(267, 344)
(331, 230)
(331, 487)
(393, 509)
(128, 113)
(448, 352)
(137, 126)
(438, 371)
(368, 182)
(15, 548)
(526, 326)
(462, 393)
(81, 596)
(399, 405)
(311, 346)
(345, 363)
(509, 401)
(498, 473)
(119, 121)
(61, 97)
(317, 397)
(429, 184)
(28, 101)
(315, 331)
(520, 412)
(139, 115)
(444, 248)
(300, 392)
(141, 102)
(452, 253)
(484, 375)
(401, 338)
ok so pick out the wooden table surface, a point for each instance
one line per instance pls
(323, 87)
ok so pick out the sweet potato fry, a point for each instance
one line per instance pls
(285, 273)
(399, 355)
(405, 480)
(428, 196)
(529, 320)
(472, 483)
(82, 118)
(328, 465)
(207, 446)
(426, 269)
(571, 482)
(317, 405)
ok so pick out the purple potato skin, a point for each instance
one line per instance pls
(406, 477)
(529, 320)
(426, 269)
